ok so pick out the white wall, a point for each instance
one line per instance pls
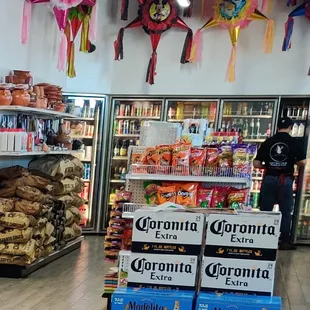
(256, 73)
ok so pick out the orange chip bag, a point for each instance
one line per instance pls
(138, 161)
(151, 156)
(196, 160)
(187, 194)
(164, 158)
(166, 194)
(180, 158)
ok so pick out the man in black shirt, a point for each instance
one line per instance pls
(278, 155)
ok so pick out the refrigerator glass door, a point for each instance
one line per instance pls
(85, 132)
(127, 115)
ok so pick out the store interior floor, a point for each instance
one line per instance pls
(75, 281)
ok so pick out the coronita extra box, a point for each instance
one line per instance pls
(162, 271)
(168, 232)
(207, 301)
(145, 299)
(237, 275)
(247, 235)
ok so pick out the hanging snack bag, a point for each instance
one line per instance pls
(164, 159)
(212, 161)
(225, 158)
(150, 191)
(251, 151)
(151, 156)
(240, 159)
(180, 158)
(187, 194)
(219, 197)
(166, 194)
(196, 160)
(204, 197)
(138, 162)
(237, 198)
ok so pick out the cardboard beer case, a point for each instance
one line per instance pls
(246, 235)
(209, 301)
(145, 299)
(237, 276)
(163, 271)
(168, 231)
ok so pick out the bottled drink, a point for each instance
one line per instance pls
(304, 113)
(270, 109)
(268, 131)
(132, 127)
(245, 108)
(117, 110)
(126, 127)
(116, 150)
(223, 126)
(176, 305)
(123, 150)
(295, 130)
(299, 113)
(120, 127)
(289, 112)
(127, 110)
(180, 111)
(261, 112)
(301, 130)
(252, 125)
(204, 110)
(245, 129)
(250, 108)
(239, 108)
(258, 128)
(266, 108)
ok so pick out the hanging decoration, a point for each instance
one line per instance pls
(301, 10)
(234, 15)
(156, 17)
(70, 15)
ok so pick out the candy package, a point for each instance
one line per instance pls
(109, 246)
(219, 197)
(180, 158)
(123, 196)
(127, 236)
(204, 197)
(166, 194)
(115, 231)
(237, 198)
(187, 194)
(196, 160)
(115, 215)
(113, 239)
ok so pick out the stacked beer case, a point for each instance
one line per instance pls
(240, 257)
(166, 251)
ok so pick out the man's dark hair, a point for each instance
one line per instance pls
(285, 122)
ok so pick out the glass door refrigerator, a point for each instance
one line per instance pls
(254, 119)
(298, 110)
(177, 110)
(86, 132)
(126, 117)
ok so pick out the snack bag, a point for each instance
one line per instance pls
(164, 158)
(196, 160)
(204, 197)
(150, 191)
(226, 157)
(151, 156)
(219, 197)
(138, 162)
(251, 151)
(187, 194)
(237, 198)
(166, 194)
(240, 159)
(212, 161)
(180, 158)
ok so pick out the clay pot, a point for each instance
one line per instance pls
(22, 77)
(5, 97)
(21, 97)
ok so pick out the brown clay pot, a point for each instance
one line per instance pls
(5, 97)
(22, 77)
(21, 97)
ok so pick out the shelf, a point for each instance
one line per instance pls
(186, 178)
(120, 158)
(85, 160)
(84, 119)
(138, 117)
(84, 180)
(305, 214)
(14, 271)
(255, 191)
(37, 153)
(172, 120)
(81, 137)
(254, 140)
(127, 135)
(40, 112)
(257, 178)
(117, 181)
(247, 116)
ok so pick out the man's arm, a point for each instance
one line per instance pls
(258, 164)
(300, 155)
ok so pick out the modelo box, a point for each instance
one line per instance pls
(247, 235)
(207, 301)
(168, 232)
(162, 271)
(144, 299)
(238, 276)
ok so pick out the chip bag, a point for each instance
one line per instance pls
(180, 158)
(150, 191)
(240, 159)
(187, 194)
(164, 158)
(219, 197)
(237, 198)
(212, 160)
(225, 156)
(204, 197)
(166, 194)
(196, 160)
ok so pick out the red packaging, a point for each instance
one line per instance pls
(196, 160)
(180, 158)
(212, 160)
(219, 197)
(204, 197)
(237, 198)
(187, 194)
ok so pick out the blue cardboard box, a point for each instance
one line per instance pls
(148, 299)
(209, 301)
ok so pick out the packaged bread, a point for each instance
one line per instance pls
(71, 199)
(13, 172)
(77, 229)
(27, 249)
(28, 207)
(33, 221)
(41, 222)
(32, 194)
(76, 214)
(6, 205)
(7, 192)
(15, 260)
(14, 220)
(67, 186)
(16, 235)
(69, 218)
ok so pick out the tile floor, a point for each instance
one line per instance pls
(75, 282)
